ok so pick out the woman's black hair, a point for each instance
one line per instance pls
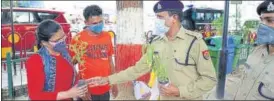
(46, 30)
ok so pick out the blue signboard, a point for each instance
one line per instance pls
(31, 4)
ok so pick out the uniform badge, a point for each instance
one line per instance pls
(206, 54)
(270, 7)
(159, 6)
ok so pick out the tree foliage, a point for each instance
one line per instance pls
(218, 25)
(249, 26)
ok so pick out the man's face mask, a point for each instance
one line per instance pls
(160, 26)
(97, 28)
(163, 25)
(265, 35)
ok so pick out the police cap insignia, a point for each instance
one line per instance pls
(266, 7)
(159, 6)
(168, 5)
(270, 7)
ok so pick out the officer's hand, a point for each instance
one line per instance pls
(170, 90)
(97, 81)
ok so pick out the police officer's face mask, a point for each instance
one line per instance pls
(265, 35)
(160, 26)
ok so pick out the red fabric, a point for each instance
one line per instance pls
(96, 58)
(127, 55)
(36, 78)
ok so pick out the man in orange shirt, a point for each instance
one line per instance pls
(92, 49)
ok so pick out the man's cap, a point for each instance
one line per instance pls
(168, 5)
(266, 7)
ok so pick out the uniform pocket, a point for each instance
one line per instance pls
(181, 68)
(182, 64)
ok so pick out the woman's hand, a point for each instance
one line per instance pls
(78, 91)
(73, 92)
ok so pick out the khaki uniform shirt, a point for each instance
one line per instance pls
(259, 69)
(193, 80)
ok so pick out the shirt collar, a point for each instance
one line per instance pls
(180, 34)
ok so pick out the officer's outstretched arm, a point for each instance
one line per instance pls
(207, 76)
(131, 73)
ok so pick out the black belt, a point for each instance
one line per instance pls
(187, 55)
(261, 93)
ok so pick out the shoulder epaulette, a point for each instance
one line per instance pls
(194, 34)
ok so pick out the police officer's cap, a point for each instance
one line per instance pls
(266, 7)
(168, 5)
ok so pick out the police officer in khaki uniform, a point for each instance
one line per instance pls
(258, 81)
(181, 52)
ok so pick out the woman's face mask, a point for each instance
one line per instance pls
(59, 45)
(54, 43)
(265, 35)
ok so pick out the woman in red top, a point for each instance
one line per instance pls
(50, 73)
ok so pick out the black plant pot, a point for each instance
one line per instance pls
(164, 81)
